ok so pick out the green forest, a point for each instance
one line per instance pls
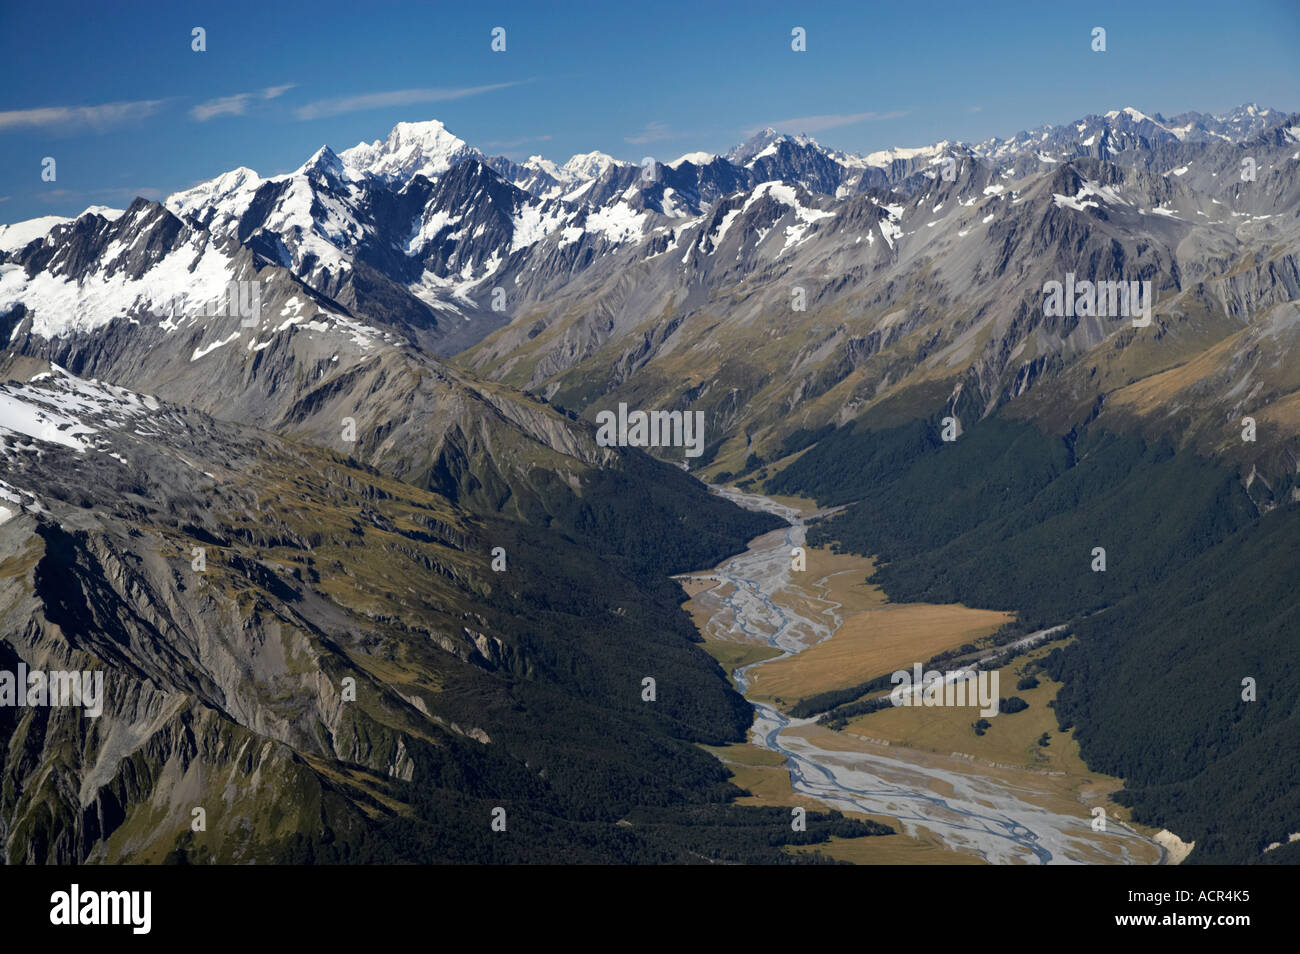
(1198, 593)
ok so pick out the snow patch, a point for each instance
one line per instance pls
(619, 223)
(208, 349)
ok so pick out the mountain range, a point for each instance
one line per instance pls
(434, 332)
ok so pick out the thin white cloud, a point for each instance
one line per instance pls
(813, 124)
(396, 97)
(222, 106)
(98, 117)
(974, 109)
(236, 105)
(653, 132)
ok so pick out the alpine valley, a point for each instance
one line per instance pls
(359, 573)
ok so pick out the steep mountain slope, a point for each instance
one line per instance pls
(315, 654)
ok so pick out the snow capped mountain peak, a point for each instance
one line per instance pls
(411, 149)
(543, 164)
(695, 158)
(15, 236)
(1136, 115)
(589, 165)
(753, 145)
(236, 180)
(324, 160)
(1115, 131)
(226, 196)
(763, 140)
(883, 158)
(431, 137)
(241, 177)
(104, 212)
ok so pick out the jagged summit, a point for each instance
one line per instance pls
(422, 148)
(324, 161)
(590, 165)
(763, 140)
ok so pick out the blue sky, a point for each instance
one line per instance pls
(114, 92)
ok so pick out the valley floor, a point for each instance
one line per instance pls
(954, 797)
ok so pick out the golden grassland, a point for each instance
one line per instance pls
(20, 564)
(876, 636)
(1284, 412)
(805, 506)
(1012, 739)
(694, 586)
(1154, 392)
(871, 643)
(1053, 775)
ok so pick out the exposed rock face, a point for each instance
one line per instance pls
(303, 366)
(284, 636)
(224, 676)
